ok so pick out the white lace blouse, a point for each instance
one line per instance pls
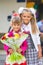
(35, 37)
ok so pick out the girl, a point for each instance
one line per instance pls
(29, 26)
(16, 26)
(14, 14)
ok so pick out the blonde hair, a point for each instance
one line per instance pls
(34, 24)
(32, 21)
(16, 20)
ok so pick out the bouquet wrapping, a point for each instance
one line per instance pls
(14, 41)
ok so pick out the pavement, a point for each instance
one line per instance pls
(2, 57)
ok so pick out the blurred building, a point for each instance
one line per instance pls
(38, 5)
(6, 8)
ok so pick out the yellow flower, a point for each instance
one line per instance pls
(6, 35)
(16, 36)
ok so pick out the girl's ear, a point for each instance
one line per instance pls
(21, 15)
(32, 19)
(32, 16)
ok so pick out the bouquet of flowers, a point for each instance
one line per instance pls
(14, 41)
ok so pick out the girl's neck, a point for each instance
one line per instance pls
(26, 23)
(17, 31)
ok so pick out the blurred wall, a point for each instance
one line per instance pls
(6, 7)
(40, 10)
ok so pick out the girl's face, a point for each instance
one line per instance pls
(16, 27)
(26, 16)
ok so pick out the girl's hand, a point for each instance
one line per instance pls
(19, 50)
(39, 54)
(10, 51)
(39, 51)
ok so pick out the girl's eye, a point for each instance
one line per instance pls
(28, 16)
(24, 16)
(16, 24)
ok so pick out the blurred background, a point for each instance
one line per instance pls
(6, 8)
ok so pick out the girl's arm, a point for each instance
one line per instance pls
(39, 51)
(24, 47)
(6, 48)
(39, 46)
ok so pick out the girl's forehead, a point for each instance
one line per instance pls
(26, 13)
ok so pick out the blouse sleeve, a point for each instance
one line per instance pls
(35, 38)
(38, 35)
(38, 39)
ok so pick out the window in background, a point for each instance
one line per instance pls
(20, 0)
(9, 18)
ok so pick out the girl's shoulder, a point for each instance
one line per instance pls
(10, 33)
